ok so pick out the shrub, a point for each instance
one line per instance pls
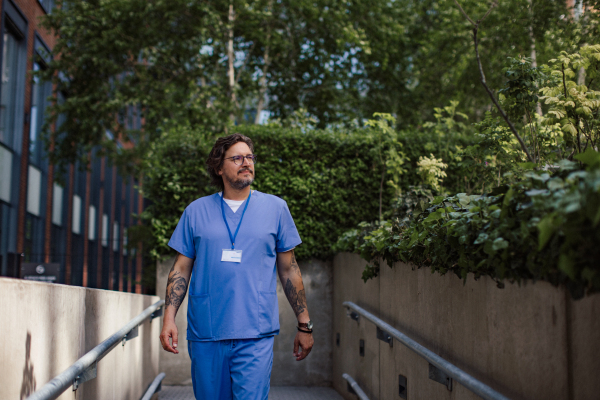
(330, 180)
(546, 227)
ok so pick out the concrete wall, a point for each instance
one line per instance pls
(527, 342)
(315, 370)
(47, 327)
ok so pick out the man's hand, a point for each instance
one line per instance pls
(303, 344)
(169, 331)
(293, 287)
(177, 284)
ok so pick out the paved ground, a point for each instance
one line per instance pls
(277, 393)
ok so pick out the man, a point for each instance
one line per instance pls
(233, 242)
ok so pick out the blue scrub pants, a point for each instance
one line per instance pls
(232, 369)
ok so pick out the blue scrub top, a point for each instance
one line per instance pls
(230, 300)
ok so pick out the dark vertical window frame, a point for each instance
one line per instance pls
(117, 236)
(107, 184)
(128, 221)
(13, 23)
(95, 185)
(77, 239)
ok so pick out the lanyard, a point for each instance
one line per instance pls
(232, 238)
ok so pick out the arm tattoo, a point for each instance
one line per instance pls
(176, 290)
(294, 264)
(175, 262)
(297, 299)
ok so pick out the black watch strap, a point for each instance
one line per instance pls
(304, 330)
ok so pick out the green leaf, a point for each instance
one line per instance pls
(507, 197)
(546, 228)
(434, 216)
(530, 166)
(567, 265)
(499, 244)
(591, 157)
(481, 238)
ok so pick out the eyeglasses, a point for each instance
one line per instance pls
(239, 160)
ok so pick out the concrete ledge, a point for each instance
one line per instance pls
(528, 342)
(49, 327)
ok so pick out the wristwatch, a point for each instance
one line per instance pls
(308, 325)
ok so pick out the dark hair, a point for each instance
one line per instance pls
(217, 155)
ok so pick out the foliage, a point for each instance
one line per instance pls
(328, 178)
(445, 138)
(546, 227)
(208, 64)
(440, 43)
(520, 92)
(528, 220)
(170, 62)
(117, 61)
(391, 160)
(573, 105)
(432, 171)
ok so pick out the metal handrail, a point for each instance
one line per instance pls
(154, 386)
(71, 375)
(359, 392)
(451, 370)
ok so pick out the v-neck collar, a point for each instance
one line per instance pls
(233, 215)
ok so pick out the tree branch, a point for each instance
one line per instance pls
(464, 13)
(483, 81)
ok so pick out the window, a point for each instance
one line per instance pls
(34, 145)
(57, 204)
(92, 224)
(10, 114)
(76, 214)
(34, 190)
(104, 230)
(125, 242)
(39, 94)
(115, 236)
(6, 160)
(47, 5)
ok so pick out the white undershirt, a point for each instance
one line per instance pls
(233, 204)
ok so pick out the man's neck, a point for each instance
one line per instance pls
(230, 193)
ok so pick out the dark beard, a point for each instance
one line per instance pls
(240, 184)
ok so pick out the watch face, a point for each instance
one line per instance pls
(309, 325)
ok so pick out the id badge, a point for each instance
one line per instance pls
(231, 255)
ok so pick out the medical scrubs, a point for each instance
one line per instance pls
(232, 302)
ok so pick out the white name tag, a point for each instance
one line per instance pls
(231, 255)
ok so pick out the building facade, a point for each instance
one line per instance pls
(79, 220)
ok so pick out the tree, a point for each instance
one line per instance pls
(213, 64)
(203, 64)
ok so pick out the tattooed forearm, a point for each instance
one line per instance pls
(297, 299)
(176, 290)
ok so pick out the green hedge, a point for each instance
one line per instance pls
(329, 179)
(546, 227)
